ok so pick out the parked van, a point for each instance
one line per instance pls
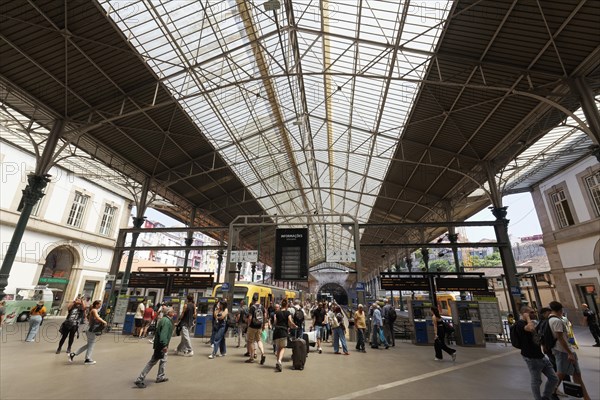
(19, 304)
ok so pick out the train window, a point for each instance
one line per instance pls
(239, 294)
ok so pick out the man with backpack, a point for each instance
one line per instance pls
(566, 358)
(256, 322)
(298, 318)
(389, 317)
(525, 337)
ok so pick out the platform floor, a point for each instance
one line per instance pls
(406, 371)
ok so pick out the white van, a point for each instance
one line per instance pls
(19, 304)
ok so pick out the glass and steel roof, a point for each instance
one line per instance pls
(315, 132)
(384, 111)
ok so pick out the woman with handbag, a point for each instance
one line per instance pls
(220, 321)
(439, 332)
(96, 326)
(70, 325)
(339, 331)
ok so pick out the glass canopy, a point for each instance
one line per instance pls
(298, 100)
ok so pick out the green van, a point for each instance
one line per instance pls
(18, 305)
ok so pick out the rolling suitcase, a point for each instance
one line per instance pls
(299, 353)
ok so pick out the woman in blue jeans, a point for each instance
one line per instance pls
(96, 324)
(220, 321)
(339, 332)
(36, 316)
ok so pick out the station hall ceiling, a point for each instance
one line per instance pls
(384, 111)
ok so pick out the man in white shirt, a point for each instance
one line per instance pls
(566, 358)
(139, 317)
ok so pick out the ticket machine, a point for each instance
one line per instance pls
(419, 312)
(467, 322)
(204, 318)
(132, 305)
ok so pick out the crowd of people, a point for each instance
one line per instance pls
(548, 345)
(256, 325)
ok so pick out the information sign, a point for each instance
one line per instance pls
(148, 280)
(340, 255)
(461, 284)
(243, 256)
(190, 282)
(391, 282)
(291, 254)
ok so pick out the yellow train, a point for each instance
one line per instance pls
(443, 300)
(267, 294)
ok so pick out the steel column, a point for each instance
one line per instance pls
(33, 192)
(138, 220)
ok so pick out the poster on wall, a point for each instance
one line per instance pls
(121, 309)
(490, 317)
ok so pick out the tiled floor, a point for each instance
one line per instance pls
(34, 371)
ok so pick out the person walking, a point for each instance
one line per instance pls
(162, 337)
(389, 318)
(241, 317)
(186, 322)
(318, 323)
(70, 326)
(378, 329)
(282, 322)
(220, 320)
(256, 323)
(439, 332)
(36, 317)
(96, 324)
(566, 359)
(339, 331)
(298, 317)
(591, 320)
(360, 323)
(536, 361)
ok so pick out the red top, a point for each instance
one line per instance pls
(149, 314)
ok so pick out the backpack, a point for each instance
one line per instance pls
(515, 340)
(258, 317)
(299, 317)
(546, 336)
(391, 316)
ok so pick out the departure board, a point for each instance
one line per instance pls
(291, 252)
(391, 282)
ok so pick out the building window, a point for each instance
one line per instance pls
(592, 183)
(36, 208)
(562, 209)
(107, 219)
(77, 210)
